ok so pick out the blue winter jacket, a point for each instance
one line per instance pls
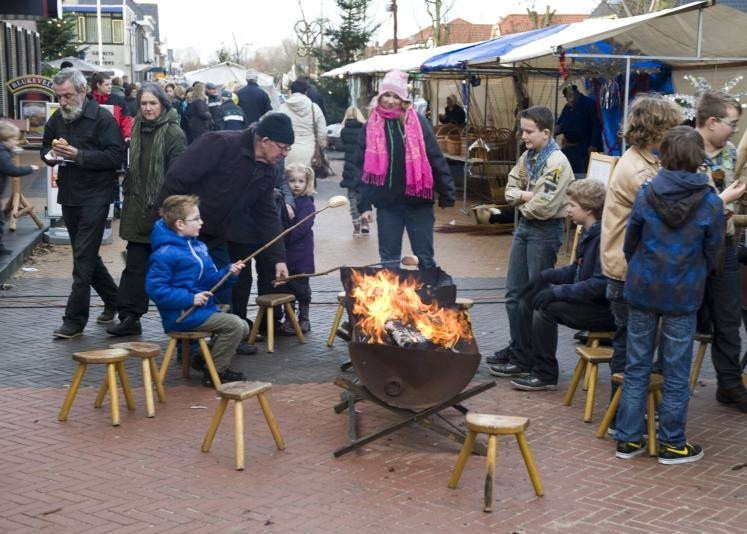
(583, 280)
(672, 242)
(178, 268)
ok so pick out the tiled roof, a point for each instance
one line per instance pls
(456, 31)
(522, 23)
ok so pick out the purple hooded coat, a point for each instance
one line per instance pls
(299, 244)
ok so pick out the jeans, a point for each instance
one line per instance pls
(723, 299)
(676, 353)
(534, 248)
(418, 220)
(579, 316)
(132, 300)
(85, 226)
(228, 331)
(619, 309)
(221, 258)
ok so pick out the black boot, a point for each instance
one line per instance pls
(129, 326)
(303, 317)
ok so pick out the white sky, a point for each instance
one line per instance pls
(203, 24)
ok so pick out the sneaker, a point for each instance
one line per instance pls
(129, 326)
(500, 356)
(736, 397)
(106, 316)
(225, 376)
(286, 329)
(246, 348)
(507, 370)
(670, 455)
(532, 383)
(67, 331)
(630, 449)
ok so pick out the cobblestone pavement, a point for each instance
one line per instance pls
(148, 475)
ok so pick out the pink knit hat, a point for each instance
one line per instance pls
(395, 81)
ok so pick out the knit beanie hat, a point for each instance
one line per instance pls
(395, 81)
(251, 75)
(277, 126)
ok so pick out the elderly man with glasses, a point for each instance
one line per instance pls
(85, 141)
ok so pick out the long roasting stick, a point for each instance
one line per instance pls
(334, 202)
(406, 260)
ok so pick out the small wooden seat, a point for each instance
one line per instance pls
(114, 361)
(338, 318)
(185, 338)
(592, 357)
(266, 304)
(238, 392)
(594, 338)
(655, 385)
(703, 341)
(147, 352)
(493, 426)
(464, 305)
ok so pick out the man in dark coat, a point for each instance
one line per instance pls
(92, 151)
(213, 101)
(230, 170)
(582, 132)
(230, 116)
(253, 99)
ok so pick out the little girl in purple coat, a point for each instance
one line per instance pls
(299, 244)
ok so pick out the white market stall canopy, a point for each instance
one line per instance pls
(407, 61)
(232, 75)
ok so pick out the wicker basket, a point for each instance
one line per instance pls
(441, 136)
(454, 142)
(470, 136)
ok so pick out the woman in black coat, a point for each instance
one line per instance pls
(352, 123)
(198, 112)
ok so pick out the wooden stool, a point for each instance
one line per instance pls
(703, 341)
(237, 392)
(266, 303)
(587, 356)
(114, 360)
(493, 426)
(654, 398)
(464, 306)
(147, 353)
(186, 337)
(337, 319)
(593, 339)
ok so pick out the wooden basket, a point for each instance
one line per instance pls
(470, 136)
(441, 136)
(454, 142)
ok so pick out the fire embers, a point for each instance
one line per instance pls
(389, 310)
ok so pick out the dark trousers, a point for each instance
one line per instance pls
(242, 289)
(723, 300)
(542, 361)
(221, 258)
(85, 225)
(619, 308)
(418, 220)
(132, 300)
(301, 289)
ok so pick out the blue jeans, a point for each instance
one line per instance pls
(418, 220)
(533, 249)
(676, 351)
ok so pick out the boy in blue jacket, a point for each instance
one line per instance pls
(672, 242)
(572, 295)
(180, 274)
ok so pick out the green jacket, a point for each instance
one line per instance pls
(138, 210)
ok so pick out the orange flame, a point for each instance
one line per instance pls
(383, 297)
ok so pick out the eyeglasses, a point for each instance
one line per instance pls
(734, 125)
(284, 149)
(196, 219)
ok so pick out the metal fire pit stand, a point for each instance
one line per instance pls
(356, 392)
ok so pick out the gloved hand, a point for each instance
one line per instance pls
(543, 299)
(742, 255)
(530, 288)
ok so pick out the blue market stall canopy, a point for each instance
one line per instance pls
(493, 49)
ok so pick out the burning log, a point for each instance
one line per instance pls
(406, 336)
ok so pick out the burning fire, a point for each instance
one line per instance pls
(383, 297)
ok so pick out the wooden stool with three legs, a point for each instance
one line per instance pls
(147, 352)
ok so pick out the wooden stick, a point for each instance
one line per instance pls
(255, 253)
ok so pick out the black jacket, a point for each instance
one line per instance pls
(96, 134)
(254, 101)
(583, 280)
(220, 168)
(230, 117)
(200, 119)
(349, 137)
(393, 194)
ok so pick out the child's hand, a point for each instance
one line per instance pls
(202, 297)
(733, 192)
(236, 268)
(291, 212)
(34, 167)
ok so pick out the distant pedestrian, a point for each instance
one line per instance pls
(101, 90)
(352, 121)
(213, 102)
(308, 124)
(200, 118)
(88, 139)
(253, 99)
(230, 116)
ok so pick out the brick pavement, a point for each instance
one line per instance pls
(86, 476)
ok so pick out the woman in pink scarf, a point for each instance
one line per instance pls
(400, 166)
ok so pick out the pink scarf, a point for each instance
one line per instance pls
(418, 173)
